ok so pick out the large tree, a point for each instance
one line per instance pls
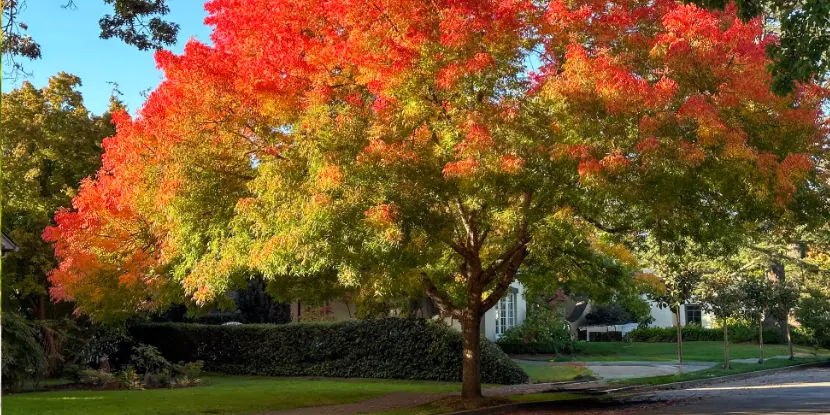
(50, 141)
(393, 143)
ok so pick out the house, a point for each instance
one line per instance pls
(509, 312)
(577, 310)
(8, 245)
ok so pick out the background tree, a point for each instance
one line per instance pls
(136, 22)
(400, 143)
(721, 295)
(50, 142)
(759, 299)
(803, 52)
(677, 273)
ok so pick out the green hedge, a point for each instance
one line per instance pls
(386, 348)
(737, 334)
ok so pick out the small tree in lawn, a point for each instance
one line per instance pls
(785, 296)
(679, 272)
(759, 299)
(721, 295)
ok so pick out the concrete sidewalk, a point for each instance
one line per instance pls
(640, 369)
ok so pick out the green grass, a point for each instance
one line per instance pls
(219, 395)
(717, 371)
(541, 373)
(692, 351)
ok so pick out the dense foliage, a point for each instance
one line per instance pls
(803, 50)
(544, 330)
(737, 333)
(384, 348)
(23, 358)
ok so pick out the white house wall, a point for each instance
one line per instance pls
(488, 322)
(663, 317)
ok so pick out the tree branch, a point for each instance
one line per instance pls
(442, 301)
(507, 277)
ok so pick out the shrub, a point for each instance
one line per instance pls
(543, 331)
(128, 378)
(694, 332)
(813, 312)
(148, 359)
(384, 348)
(96, 377)
(611, 336)
(23, 358)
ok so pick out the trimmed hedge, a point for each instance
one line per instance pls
(392, 348)
(737, 334)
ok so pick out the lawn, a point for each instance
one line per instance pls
(698, 351)
(220, 395)
(542, 373)
(717, 371)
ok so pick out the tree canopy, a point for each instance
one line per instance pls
(452, 145)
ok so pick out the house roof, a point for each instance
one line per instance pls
(9, 245)
(578, 310)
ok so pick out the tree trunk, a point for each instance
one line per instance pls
(49, 344)
(761, 337)
(726, 345)
(679, 338)
(789, 338)
(471, 373)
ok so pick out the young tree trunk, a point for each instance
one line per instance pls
(761, 337)
(726, 345)
(679, 338)
(789, 338)
(471, 373)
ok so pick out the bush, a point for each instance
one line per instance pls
(148, 359)
(96, 377)
(813, 312)
(611, 336)
(385, 348)
(543, 331)
(128, 378)
(23, 358)
(694, 332)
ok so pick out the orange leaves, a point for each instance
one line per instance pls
(384, 218)
(461, 169)
(512, 164)
(329, 177)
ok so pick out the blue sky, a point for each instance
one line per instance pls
(69, 43)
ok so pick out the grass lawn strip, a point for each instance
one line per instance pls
(698, 351)
(541, 373)
(220, 395)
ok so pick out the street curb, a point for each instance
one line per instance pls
(719, 379)
(586, 403)
(598, 402)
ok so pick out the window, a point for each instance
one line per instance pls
(506, 313)
(693, 314)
